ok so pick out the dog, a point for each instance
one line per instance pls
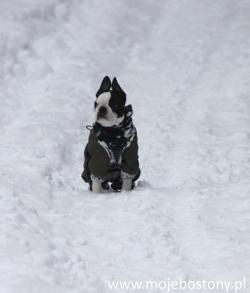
(111, 153)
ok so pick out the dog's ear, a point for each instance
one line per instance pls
(116, 86)
(105, 86)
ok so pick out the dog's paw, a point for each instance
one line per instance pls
(97, 187)
(127, 184)
(96, 184)
(127, 181)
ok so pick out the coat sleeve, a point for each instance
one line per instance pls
(130, 159)
(86, 173)
(96, 159)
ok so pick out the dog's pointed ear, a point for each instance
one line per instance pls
(116, 86)
(105, 86)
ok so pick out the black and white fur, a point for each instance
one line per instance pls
(110, 103)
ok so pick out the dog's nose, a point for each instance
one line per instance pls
(102, 112)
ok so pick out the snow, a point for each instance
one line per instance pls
(185, 66)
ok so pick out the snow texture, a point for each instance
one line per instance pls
(185, 66)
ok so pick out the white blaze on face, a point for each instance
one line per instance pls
(111, 117)
(103, 99)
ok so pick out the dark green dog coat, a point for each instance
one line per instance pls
(111, 151)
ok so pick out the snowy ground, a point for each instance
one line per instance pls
(185, 66)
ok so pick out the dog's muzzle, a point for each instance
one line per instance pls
(102, 112)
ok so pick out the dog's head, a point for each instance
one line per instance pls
(110, 103)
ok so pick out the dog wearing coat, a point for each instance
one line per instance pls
(111, 154)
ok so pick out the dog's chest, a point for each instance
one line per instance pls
(114, 140)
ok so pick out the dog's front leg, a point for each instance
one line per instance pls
(127, 181)
(96, 184)
(126, 184)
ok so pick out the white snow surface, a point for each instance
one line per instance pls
(185, 66)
